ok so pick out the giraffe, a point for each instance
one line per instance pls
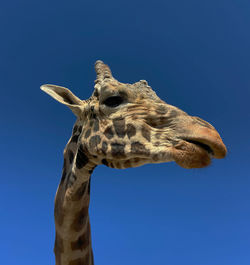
(120, 126)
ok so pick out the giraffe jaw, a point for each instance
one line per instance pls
(198, 153)
(188, 154)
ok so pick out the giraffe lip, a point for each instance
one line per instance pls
(202, 145)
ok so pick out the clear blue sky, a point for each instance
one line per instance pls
(196, 55)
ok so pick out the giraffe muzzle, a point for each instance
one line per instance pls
(199, 143)
(209, 140)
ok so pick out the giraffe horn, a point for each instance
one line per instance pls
(102, 71)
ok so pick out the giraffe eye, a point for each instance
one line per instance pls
(113, 101)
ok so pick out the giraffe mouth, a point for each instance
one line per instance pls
(192, 154)
(199, 148)
(203, 146)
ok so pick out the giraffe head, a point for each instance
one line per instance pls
(128, 125)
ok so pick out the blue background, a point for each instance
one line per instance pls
(196, 56)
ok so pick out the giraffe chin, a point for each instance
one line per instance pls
(188, 155)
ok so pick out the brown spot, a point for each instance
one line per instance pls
(119, 125)
(79, 192)
(131, 131)
(58, 248)
(81, 243)
(109, 132)
(104, 147)
(96, 94)
(87, 134)
(80, 219)
(81, 158)
(145, 133)
(105, 162)
(71, 156)
(151, 122)
(75, 129)
(74, 138)
(96, 126)
(80, 129)
(138, 148)
(117, 150)
(64, 172)
(94, 141)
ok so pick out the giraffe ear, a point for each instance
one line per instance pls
(64, 96)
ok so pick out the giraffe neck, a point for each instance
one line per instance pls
(72, 224)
